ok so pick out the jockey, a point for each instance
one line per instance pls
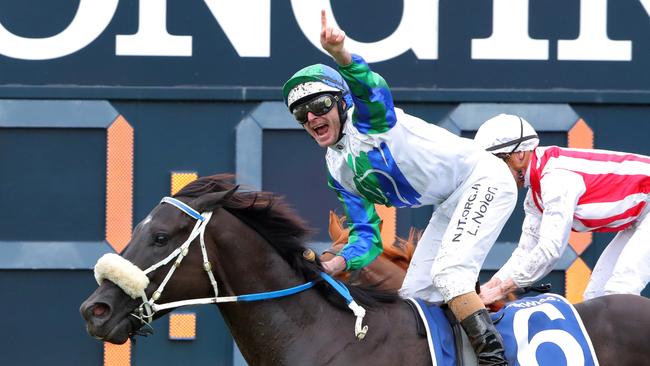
(376, 153)
(572, 189)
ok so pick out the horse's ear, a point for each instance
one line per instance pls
(337, 232)
(212, 201)
(334, 229)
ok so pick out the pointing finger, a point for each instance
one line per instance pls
(323, 20)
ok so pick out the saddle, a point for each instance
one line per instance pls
(536, 330)
(460, 340)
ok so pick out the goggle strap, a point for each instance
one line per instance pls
(513, 142)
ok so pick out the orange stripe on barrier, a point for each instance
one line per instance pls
(181, 179)
(577, 277)
(581, 136)
(182, 326)
(389, 226)
(117, 354)
(580, 241)
(119, 183)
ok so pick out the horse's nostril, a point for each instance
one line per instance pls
(99, 310)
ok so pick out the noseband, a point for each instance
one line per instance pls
(134, 281)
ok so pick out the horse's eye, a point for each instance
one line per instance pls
(160, 239)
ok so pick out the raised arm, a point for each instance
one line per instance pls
(374, 111)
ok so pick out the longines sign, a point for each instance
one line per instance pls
(463, 45)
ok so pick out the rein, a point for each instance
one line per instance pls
(148, 308)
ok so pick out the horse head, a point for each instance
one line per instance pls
(118, 308)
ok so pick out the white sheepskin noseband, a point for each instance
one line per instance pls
(131, 279)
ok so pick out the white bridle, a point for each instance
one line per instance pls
(133, 281)
(112, 267)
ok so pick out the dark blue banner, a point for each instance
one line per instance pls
(427, 49)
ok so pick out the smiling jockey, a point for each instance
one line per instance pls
(572, 189)
(376, 153)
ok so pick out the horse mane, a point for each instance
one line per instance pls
(269, 215)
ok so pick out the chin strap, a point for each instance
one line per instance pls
(521, 176)
(343, 116)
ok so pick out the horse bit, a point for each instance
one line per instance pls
(111, 263)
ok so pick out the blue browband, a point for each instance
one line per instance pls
(183, 207)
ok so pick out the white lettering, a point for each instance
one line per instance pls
(90, 21)
(152, 38)
(528, 304)
(247, 24)
(417, 30)
(593, 44)
(509, 39)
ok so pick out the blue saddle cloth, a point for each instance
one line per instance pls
(544, 330)
(439, 333)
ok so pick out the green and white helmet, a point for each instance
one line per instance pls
(316, 79)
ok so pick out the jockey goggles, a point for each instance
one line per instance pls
(318, 105)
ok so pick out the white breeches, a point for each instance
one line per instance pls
(449, 256)
(624, 265)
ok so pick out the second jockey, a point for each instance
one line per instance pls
(572, 189)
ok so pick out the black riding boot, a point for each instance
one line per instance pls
(485, 339)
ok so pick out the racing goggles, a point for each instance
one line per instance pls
(319, 106)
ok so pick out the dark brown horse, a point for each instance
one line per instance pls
(255, 244)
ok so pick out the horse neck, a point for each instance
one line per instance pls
(248, 264)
